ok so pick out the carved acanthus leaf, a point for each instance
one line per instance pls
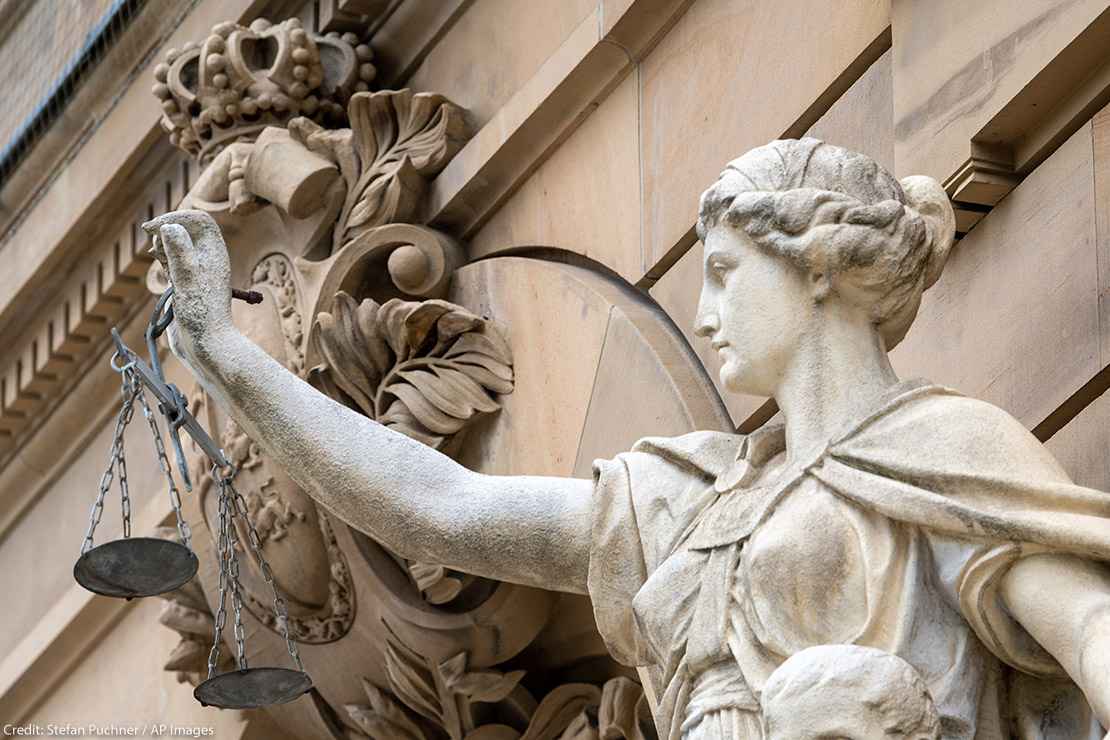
(397, 142)
(444, 694)
(616, 711)
(383, 718)
(422, 368)
(475, 686)
(437, 584)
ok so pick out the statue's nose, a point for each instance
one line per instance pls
(706, 323)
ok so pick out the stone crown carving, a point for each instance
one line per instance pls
(240, 80)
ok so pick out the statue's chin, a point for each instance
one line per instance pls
(733, 379)
(740, 378)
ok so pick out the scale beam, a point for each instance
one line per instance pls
(171, 401)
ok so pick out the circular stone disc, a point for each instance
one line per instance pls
(136, 566)
(254, 687)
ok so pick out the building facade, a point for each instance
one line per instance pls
(537, 165)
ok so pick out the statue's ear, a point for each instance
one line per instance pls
(819, 284)
(925, 196)
(817, 268)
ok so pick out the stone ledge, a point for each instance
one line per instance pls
(107, 286)
(1016, 122)
(545, 111)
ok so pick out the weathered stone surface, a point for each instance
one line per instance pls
(1100, 135)
(859, 120)
(862, 118)
(90, 695)
(851, 692)
(1014, 319)
(549, 311)
(1019, 317)
(586, 197)
(815, 262)
(677, 293)
(504, 43)
(1081, 445)
(723, 74)
(956, 66)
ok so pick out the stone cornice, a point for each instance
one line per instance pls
(56, 225)
(596, 56)
(107, 286)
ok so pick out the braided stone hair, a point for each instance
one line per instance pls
(837, 213)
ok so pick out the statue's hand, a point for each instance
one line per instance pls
(190, 245)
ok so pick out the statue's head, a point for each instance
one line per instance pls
(848, 692)
(799, 229)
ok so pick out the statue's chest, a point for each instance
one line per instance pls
(805, 574)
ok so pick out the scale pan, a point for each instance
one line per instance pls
(254, 687)
(135, 566)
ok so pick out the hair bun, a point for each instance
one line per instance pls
(927, 198)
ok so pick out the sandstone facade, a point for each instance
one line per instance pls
(559, 208)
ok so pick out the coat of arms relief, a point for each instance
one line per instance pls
(319, 184)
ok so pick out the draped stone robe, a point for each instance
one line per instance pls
(895, 536)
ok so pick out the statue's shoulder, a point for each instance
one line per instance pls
(944, 412)
(706, 453)
(939, 428)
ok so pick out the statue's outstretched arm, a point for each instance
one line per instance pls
(1063, 601)
(415, 500)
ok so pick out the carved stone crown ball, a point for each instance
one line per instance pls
(240, 80)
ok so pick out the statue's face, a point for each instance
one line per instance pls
(754, 309)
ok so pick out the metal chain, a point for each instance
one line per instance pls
(232, 564)
(281, 609)
(183, 530)
(221, 612)
(136, 388)
(115, 457)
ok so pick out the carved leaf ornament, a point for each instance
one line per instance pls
(397, 142)
(421, 368)
(446, 695)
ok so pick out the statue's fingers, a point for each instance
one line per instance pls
(181, 257)
(152, 226)
(194, 221)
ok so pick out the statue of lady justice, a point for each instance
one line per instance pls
(887, 514)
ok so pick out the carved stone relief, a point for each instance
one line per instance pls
(239, 81)
(321, 183)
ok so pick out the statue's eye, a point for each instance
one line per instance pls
(718, 271)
